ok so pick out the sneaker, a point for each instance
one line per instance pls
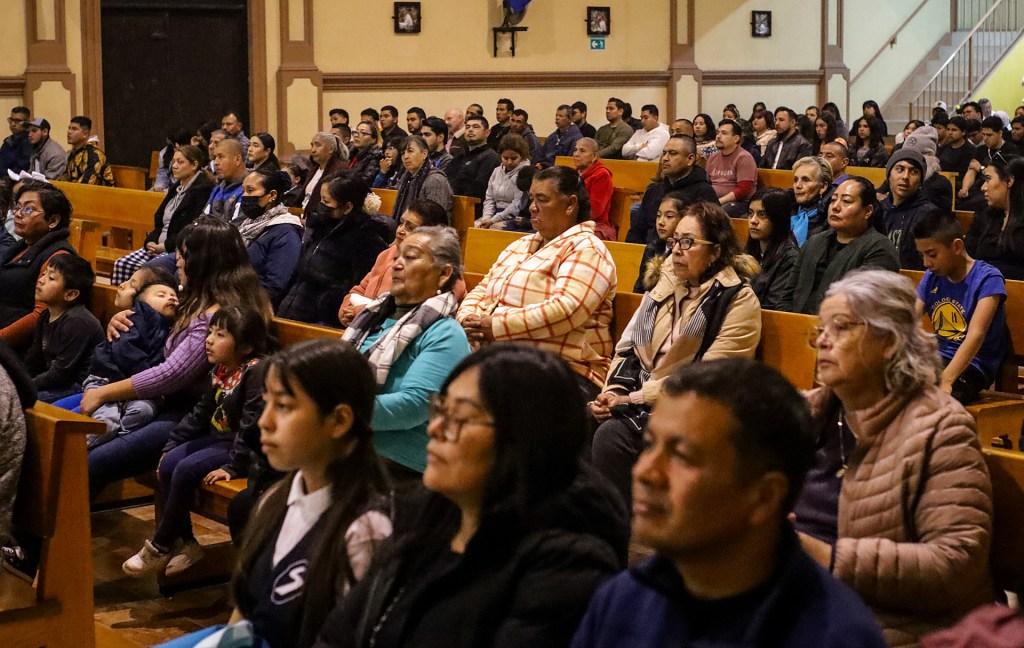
(149, 559)
(189, 554)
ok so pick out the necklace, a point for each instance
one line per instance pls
(842, 446)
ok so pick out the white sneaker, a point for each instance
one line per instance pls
(149, 559)
(189, 554)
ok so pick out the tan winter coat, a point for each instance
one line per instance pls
(914, 524)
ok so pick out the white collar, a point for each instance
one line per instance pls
(315, 503)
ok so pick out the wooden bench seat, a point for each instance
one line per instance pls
(1006, 468)
(53, 504)
(632, 175)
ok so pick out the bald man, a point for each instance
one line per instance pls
(226, 196)
(597, 178)
(456, 122)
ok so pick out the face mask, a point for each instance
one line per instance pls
(324, 211)
(250, 206)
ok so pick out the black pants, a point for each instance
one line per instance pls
(969, 384)
(615, 449)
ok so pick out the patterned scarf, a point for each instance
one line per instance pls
(224, 382)
(383, 353)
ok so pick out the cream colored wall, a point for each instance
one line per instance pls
(723, 40)
(12, 35)
(1004, 86)
(73, 30)
(456, 37)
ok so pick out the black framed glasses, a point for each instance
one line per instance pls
(451, 426)
(685, 242)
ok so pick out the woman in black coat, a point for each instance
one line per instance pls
(366, 151)
(339, 246)
(512, 536)
(186, 198)
(772, 243)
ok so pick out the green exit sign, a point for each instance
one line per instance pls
(597, 43)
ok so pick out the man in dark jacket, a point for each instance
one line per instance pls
(16, 149)
(680, 175)
(469, 172)
(562, 141)
(906, 204)
(728, 568)
(788, 146)
(521, 126)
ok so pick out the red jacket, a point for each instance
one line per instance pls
(598, 181)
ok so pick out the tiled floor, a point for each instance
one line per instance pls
(133, 607)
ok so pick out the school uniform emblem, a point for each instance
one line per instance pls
(289, 582)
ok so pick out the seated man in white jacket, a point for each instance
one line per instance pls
(647, 143)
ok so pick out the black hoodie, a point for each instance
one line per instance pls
(693, 186)
(511, 587)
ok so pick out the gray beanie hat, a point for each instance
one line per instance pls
(910, 155)
(924, 140)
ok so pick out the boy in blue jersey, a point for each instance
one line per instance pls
(966, 302)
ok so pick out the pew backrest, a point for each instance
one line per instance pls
(1006, 468)
(784, 346)
(633, 175)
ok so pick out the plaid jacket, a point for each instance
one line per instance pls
(559, 296)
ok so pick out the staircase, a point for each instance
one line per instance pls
(961, 61)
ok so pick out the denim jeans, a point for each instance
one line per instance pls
(181, 473)
(131, 454)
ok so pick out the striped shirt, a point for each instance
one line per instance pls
(557, 295)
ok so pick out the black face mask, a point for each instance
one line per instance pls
(250, 206)
(324, 211)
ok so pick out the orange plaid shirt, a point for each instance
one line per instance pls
(558, 296)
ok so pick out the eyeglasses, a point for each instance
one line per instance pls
(837, 331)
(451, 427)
(12, 120)
(27, 210)
(685, 242)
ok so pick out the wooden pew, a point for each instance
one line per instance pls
(154, 166)
(965, 218)
(1006, 468)
(784, 346)
(129, 177)
(618, 212)
(780, 178)
(633, 175)
(625, 305)
(463, 210)
(53, 504)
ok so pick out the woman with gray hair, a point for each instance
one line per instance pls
(328, 155)
(412, 341)
(898, 504)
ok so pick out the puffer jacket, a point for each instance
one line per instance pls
(915, 513)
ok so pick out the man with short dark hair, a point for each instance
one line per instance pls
(906, 204)
(435, 135)
(469, 172)
(226, 196)
(788, 146)
(811, 112)
(955, 153)
(722, 460)
(681, 127)
(646, 144)
(474, 109)
(986, 108)
(838, 158)
(414, 118)
(974, 135)
(971, 110)
(579, 117)
(389, 127)
(503, 116)
(86, 163)
(680, 175)
(993, 148)
(338, 116)
(520, 125)
(562, 141)
(48, 157)
(455, 120)
(613, 135)
(16, 150)
(1017, 133)
(731, 170)
(343, 133)
(371, 114)
(232, 125)
(629, 118)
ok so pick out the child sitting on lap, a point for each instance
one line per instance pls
(966, 301)
(66, 332)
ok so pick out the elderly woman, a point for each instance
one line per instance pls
(772, 245)
(185, 200)
(898, 504)
(339, 246)
(553, 289)
(812, 176)
(511, 536)
(421, 179)
(700, 309)
(272, 235)
(328, 155)
(413, 342)
(261, 153)
(421, 213)
(366, 151)
(41, 218)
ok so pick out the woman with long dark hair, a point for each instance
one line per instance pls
(261, 153)
(763, 123)
(841, 128)
(824, 131)
(871, 109)
(512, 534)
(867, 149)
(996, 234)
(772, 245)
(704, 132)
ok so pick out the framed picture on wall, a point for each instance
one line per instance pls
(408, 19)
(760, 24)
(599, 21)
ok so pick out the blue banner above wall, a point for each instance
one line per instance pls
(518, 5)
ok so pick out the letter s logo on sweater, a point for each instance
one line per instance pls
(288, 585)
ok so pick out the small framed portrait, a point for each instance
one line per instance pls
(408, 19)
(599, 21)
(760, 24)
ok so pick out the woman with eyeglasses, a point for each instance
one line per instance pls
(511, 536)
(702, 308)
(366, 151)
(898, 504)
(553, 289)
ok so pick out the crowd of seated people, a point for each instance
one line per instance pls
(433, 506)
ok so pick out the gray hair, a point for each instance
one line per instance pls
(590, 142)
(333, 142)
(823, 168)
(887, 302)
(445, 248)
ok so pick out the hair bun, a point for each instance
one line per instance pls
(371, 204)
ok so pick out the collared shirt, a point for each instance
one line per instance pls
(556, 295)
(304, 509)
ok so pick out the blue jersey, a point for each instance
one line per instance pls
(951, 307)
